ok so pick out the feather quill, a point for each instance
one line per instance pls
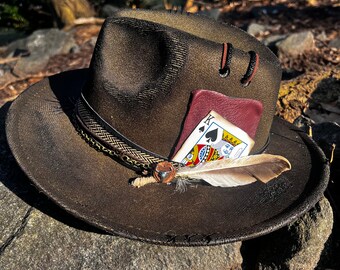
(240, 171)
(229, 172)
(142, 181)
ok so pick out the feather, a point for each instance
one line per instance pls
(240, 171)
(182, 185)
(227, 172)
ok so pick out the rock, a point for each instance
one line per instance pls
(325, 102)
(159, 4)
(322, 36)
(330, 256)
(50, 41)
(335, 43)
(289, 74)
(327, 136)
(314, 87)
(296, 44)
(9, 35)
(75, 49)
(271, 41)
(49, 244)
(213, 13)
(298, 245)
(5, 77)
(93, 41)
(255, 29)
(12, 209)
(259, 11)
(320, 117)
(108, 10)
(49, 238)
(327, 91)
(304, 123)
(30, 65)
(13, 212)
(41, 45)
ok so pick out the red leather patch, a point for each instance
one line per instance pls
(242, 112)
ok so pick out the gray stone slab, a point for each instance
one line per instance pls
(256, 29)
(12, 216)
(300, 244)
(335, 43)
(297, 43)
(49, 244)
(12, 209)
(41, 45)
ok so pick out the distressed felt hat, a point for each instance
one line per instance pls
(82, 135)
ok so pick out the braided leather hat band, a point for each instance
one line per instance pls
(100, 135)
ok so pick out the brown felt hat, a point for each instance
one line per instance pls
(82, 135)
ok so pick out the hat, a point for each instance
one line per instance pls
(82, 135)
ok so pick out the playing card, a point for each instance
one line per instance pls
(242, 112)
(214, 138)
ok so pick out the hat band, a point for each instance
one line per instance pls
(102, 136)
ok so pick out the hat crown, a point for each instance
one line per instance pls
(133, 63)
(142, 75)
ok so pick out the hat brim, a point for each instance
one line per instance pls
(95, 188)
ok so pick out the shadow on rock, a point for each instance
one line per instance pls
(324, 103)
(16, 181)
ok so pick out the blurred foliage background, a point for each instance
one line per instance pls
(31, 14)
(28, 15)
(34, 14)
(21, 14)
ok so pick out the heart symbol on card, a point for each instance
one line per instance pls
(211, 135)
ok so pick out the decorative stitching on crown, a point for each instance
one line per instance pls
(227, 54)
(252, 68)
